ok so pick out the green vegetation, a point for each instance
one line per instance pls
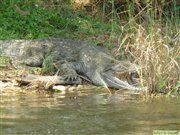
(33, 19)
(146, 32)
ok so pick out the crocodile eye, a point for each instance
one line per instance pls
(134, 75)
(43, 45)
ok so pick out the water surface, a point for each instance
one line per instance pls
(86, 113)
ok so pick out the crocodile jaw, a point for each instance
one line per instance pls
(114, 82)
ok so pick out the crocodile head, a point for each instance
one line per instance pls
(121, 75)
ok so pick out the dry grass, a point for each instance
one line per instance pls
(159, 60)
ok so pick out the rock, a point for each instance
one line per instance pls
(59, 87)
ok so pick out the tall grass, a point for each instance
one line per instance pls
(151, 38)
(159, 61)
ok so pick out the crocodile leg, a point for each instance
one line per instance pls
(70, 75)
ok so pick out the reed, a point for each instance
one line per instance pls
(151, 38)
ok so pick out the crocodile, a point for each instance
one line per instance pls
(71, 58)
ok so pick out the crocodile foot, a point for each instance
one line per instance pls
(70, 79)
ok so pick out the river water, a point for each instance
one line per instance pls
(86, 112)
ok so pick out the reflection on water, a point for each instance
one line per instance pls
(86, 113)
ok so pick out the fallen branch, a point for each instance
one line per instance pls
(47, 81)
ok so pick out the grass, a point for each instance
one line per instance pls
(146, 33)
(160, 64)
(154, 44)
(32, 20)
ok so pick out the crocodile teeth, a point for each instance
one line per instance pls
(116, 83)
